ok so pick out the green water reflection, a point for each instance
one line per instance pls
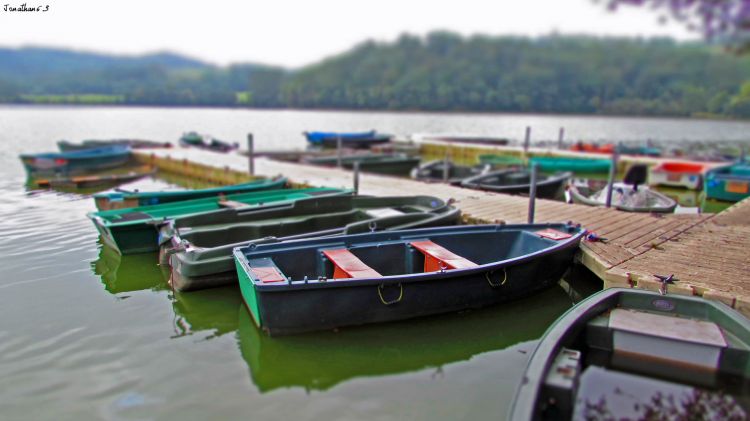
(322, 360)
(213, 310)
(130, 273)
(319, 361)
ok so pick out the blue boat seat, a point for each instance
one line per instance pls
(437, 257)
(347, 265)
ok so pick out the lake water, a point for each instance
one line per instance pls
(87, 334)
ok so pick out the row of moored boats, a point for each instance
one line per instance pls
(322, 258)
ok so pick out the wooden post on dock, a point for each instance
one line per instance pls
(532, 192)
(560, 137)
(338, 151)
(446, 166)
(527, 140)
(250, 154)
(356, 178)
(611, 178)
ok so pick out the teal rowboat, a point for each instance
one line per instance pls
(129, 199)
(135, 230)
(730, 183)
(631, 353)
(576, 165)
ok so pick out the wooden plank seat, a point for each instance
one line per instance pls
(266, 271)
(347, 265)
(437, 257)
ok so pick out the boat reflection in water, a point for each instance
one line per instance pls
(319, 361)
(213, 310)
(131, 273)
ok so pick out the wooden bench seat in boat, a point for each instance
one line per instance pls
(437, 257)
(266, 271)
(347, 265)
(677, 348)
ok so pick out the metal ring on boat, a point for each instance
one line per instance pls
(400, 294)
(489, 281)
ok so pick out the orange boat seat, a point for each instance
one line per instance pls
(437, 257)
(347, 265)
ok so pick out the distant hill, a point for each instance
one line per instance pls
(34, 62)
(47, 75)
(559, 74)
(441, 71)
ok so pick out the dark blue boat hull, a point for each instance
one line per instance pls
(328, 305)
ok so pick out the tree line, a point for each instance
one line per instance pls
(439, 72)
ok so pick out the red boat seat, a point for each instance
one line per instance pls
(436, 255)
(347, 265)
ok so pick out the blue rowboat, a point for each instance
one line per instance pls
(76, 161)
(348, 139)
(129, 199)
(729, 183)
(325, 283)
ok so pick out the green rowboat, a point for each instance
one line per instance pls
(129, 199)
(134, 230)
(587, 166)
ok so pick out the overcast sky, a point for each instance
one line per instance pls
(297, 32)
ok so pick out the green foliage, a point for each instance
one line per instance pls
(550, 74)
(442, 71)
(73, 99)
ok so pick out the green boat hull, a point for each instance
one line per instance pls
(587, 166)
(135, 230)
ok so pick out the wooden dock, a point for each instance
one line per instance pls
(706, 253)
